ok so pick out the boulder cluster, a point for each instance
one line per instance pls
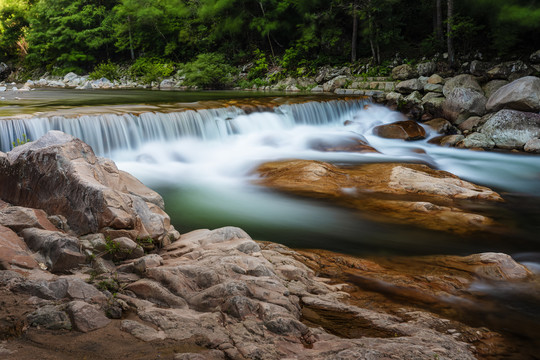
(85, 247)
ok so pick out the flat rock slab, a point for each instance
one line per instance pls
(402, 193)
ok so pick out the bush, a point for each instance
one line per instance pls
(106, 70)
(148, 70)
(260, 66)
(208, 71)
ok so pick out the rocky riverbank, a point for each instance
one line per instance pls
(487, 106)
(90, 267)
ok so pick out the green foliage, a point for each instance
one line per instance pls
(111, 247)
(106, 70)
(260, 66)
(148, 70)
(20, 142)
(208, 71)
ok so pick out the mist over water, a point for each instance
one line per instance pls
(202, 161)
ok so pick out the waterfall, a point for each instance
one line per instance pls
(108, 132)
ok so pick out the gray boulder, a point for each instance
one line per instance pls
(522, 94)
(511, 129)
(477, 140)
(409, 86)
(462, 81)
(50, 317)
(426, 68)
(61, 175)
(492, 86)
(404, 72)
(462, 103)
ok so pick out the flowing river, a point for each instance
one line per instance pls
(199, 151)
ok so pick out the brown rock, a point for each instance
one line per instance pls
(406, 130)
(13, 251)
(442, 126)
(18, 218)
(379, 190)
(351, 144)
(61, 174)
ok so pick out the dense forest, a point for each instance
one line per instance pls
(59, 36)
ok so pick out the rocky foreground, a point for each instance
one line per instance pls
(90, 267)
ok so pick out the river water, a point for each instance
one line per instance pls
(199, 151)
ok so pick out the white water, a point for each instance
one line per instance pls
(203, 162)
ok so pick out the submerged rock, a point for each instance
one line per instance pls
(401, 193)
(406, 130)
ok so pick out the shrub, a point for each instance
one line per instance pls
(208, 71)
(260, 66)
(106, 70)
(148, 70)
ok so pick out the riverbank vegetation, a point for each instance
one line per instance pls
(156, 38)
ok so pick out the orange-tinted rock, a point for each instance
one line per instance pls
(406, 130)
(13, 251)
(401, 193)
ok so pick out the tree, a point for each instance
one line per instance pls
(449, 33)
(13, 22)
(72, 35)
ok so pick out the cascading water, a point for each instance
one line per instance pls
(202, 162)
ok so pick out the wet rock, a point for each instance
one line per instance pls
(522, 94)
(60, 251)
(406, 130)
(348, 144)
(462, 103)
(404, 72)
(451, 140)
(408, 86)
(85, 317)
(18, 218)
(442, 126)
(461, 81)
(430, 191)
(50, 317)
(497, 266)
(511, 129)
(61, 175)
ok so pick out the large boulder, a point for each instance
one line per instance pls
(511, 129)
(14, 254)
(61, 175)
(492, 86)
(462, 81)
(522, 94)
(462, 103)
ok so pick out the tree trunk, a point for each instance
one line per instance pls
(438, 25)
(130, 40)
(354, 31)
(449, 34)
